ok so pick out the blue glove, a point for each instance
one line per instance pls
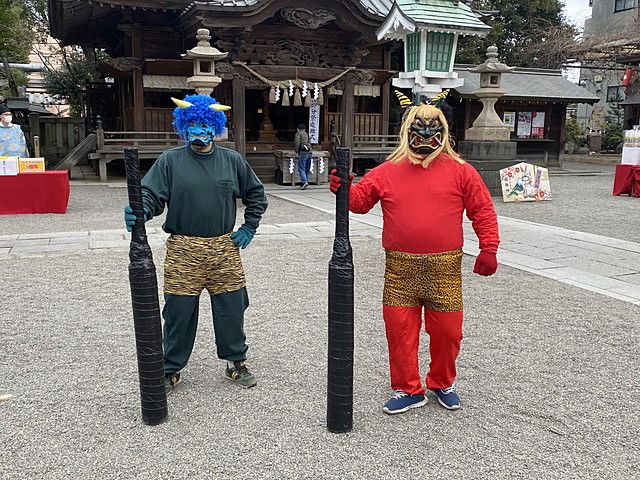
(130, 218)
(242, 237)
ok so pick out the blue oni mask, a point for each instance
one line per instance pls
(199, 134)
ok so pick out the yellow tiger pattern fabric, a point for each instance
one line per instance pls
(195, 263)
(433, 281)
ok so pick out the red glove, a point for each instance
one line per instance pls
(486, 264)
(334, 180)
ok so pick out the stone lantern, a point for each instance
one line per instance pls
(203, 55)
(487, 144)
(488, 126)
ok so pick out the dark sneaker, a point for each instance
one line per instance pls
(240, 374)
(170, 382)
(304, 186)
(448, 398)
(401, 401)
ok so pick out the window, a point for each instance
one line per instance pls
(616, 94)
(439, 47)
(413, 51)
(622, 5)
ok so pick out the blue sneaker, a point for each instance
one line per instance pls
(401, 401)
(448, 398)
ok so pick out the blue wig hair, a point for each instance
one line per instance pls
(200, 111)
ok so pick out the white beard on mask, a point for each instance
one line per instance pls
(6, 121)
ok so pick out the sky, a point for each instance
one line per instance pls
(577, 11)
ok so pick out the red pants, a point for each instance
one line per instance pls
(403, 325)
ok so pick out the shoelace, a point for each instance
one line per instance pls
(449, 390)
(399, 394)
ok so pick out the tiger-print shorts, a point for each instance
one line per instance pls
(195, 263)
(433, 281)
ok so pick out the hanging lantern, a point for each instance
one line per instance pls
(285, 99)
(272, 95)
(297, 101)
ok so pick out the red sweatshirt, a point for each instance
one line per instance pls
(422, 207)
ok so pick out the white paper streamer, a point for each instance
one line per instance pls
(291, 166)
(321, 165)
(315, 91)
(277, 93)
(290, 88)
(311, 169)
(304, 89)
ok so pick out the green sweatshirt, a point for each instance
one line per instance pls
(200, 191)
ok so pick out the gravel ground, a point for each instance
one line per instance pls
(582, 203)
(547, 374)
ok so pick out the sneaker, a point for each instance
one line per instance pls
(170, 382)
(304, 186)
(240, 374)
(401, 401)
(448, 398)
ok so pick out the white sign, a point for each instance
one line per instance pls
(9, 166)
(509, 119)
(314, 123)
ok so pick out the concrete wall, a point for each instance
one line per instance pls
(604, 20)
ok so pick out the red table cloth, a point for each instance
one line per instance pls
(627, 180)
(36, 192)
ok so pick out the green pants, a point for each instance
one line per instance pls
(180, 315)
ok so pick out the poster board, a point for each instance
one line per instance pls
(537, 124)
(509, 119)
(525, 182)
(524, 124)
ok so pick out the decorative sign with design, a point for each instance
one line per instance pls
(524, 124)
(525, 182)
(31, 165)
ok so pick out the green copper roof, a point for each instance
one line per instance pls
(445, 14)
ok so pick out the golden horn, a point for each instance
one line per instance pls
(404, 100)
(218, 107)
(181, 103)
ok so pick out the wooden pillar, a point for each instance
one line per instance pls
(136, 79)
(386, 92)
(239, 120)
(348, 112)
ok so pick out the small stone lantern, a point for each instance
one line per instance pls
(488, 126)
(204, 78)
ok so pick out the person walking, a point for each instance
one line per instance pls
(302, 147)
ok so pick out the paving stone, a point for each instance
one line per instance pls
(9, 237)
(42, 249)
(78, 239)
(635, 278)
(31, 242)
(517, 259)
(100, 244)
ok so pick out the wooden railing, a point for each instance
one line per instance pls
(108, 142)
